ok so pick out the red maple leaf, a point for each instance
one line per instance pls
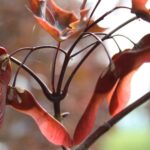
(59, 23)
(23, 101)
(114, 86)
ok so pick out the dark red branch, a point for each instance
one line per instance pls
(108, 125)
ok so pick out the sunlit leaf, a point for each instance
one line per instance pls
(127, 63)
(121, 95)
(81, 24)
(113, 86)
(34, 5)
(23, 101)
(59, 23)
(62, 17)
(48, 27)
(85, 125)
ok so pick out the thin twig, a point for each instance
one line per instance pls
(97, 33)
(124, 37)
(62, 72)
(44, 87)
(95, 46)
(67, 58)
(20, 66)
(119, 27)
(78, 66)
(112, 39)
(104, 15)
(36, 48)
(85, 36)
(54, 68)
(94, 9)
(115, 41)
(83, 49)
(100, 41)
(83, 4)
(108, 125)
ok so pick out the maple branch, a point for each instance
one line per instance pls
(85, 36)
(45, 89)
(107, 36)
(103, 16)
(83, 4)
(77, 67)
(54, 67)
(55, 98)
(62, 73)
(57, 112)
(110, 123)
(83, 49)
(100, 42)
(94, 9)
(43, 86)
(67, 58)
(119, 27)
(20, 66)
(112, 37)
(115, 41)
(124, 37)
(31, 49)
(35, 48)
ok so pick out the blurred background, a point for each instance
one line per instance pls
(19, 29)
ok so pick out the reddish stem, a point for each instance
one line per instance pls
(110, 123)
